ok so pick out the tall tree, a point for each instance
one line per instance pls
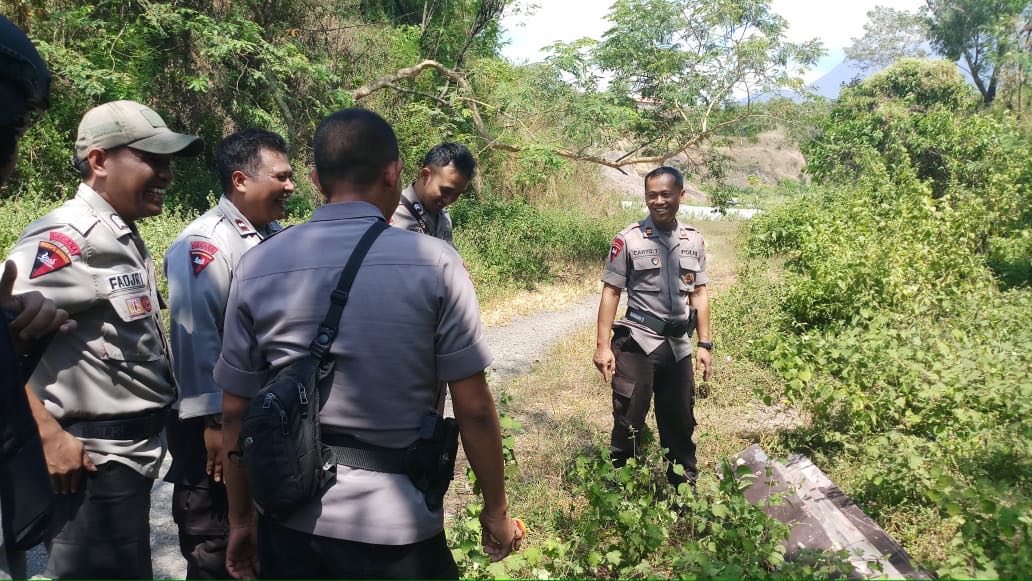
(889, 35)
(979, 32)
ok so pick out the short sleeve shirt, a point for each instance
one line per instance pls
(412, 320)
(86, 259)
(411, 215)
(199, 266)
(659, 269)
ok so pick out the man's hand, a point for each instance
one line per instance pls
(66, 458)
(35, 316)
(704, 361)
(499, 534)
(213, 444)
(605, 361)
(242, 551)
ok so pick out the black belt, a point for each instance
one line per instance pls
(138, 427)
(661, 327)
(349, 451)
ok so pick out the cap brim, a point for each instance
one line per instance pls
(169, 143)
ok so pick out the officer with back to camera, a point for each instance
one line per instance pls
(106, 388)
(256, 180)
(369, 524)
(662, 264)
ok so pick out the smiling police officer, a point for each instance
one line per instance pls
(445, 175)
(257, 181)
(662, 264)
(104, 389)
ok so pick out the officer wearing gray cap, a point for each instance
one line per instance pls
(103, 391)
(662, 264)
(26, 321)
(257, 181)
(411, 321)
(444, 175)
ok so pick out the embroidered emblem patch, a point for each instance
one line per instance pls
(243, 227)
(655, 260)
(689, 278)
(118, 222)
(49, 257)
(616, 249)
(201, 255)
(66, 241)
(138, 306)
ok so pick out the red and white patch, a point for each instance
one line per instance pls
(49, 258)
(201, 255)
(689, 278)
(66, 241)
(616, 249)
(139, 306)
(243, 227)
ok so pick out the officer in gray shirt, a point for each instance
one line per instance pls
(257, 181)
(411, 321)
(662, 265)
(106, 388)
(445, 175)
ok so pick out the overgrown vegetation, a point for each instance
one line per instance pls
(903, 321)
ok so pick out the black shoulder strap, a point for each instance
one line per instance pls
(417, 214)
(339, 297)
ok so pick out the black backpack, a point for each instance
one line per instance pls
(280, 443)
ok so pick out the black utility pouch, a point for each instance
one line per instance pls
(430, 460)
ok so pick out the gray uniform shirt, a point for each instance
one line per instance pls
(418, 219)
(411, 321)
(86, 259)
(659, 269)
(199, 266)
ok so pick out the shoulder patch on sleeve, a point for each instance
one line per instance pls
(201, 255)
(616, 248)
(50, 257)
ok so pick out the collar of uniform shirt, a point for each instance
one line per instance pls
(346, 210)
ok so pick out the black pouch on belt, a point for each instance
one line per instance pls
(430, 460)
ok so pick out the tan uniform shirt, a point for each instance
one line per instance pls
(659, 269)
(86, 259)
(411, 321)
(199, 267)
(419, 219)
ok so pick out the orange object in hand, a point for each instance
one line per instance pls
(521, 532)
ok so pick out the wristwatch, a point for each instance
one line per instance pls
(707, 345)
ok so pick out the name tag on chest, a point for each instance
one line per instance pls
(127, 282)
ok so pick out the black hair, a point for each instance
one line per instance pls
(242, 151)
(443, 154)
(665, 170)
(353, 146)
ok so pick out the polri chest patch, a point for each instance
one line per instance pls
(201, 255)
(49, 258)
(127, 282)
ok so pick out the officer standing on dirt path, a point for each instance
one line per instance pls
(257, 181)
(662, 264)
(106, 389)
(445, 175)
(369, 524)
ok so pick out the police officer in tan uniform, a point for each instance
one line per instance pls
(100, 395)
(662, 264)
(257, 181)
(389, 361)
(445, 175)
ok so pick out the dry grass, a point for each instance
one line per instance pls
(503, 308)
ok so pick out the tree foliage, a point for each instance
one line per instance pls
(889, 35)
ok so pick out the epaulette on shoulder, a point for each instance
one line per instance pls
(79, 220)
(630, 228)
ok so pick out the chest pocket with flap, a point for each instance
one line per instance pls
(689, 269)
(647, 274)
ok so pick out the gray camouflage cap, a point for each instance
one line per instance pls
(130, 123)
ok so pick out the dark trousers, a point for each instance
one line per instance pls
(103, 531)
(288, 554)
(199, 504)
(638, 376)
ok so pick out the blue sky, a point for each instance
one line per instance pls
(834, 22)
